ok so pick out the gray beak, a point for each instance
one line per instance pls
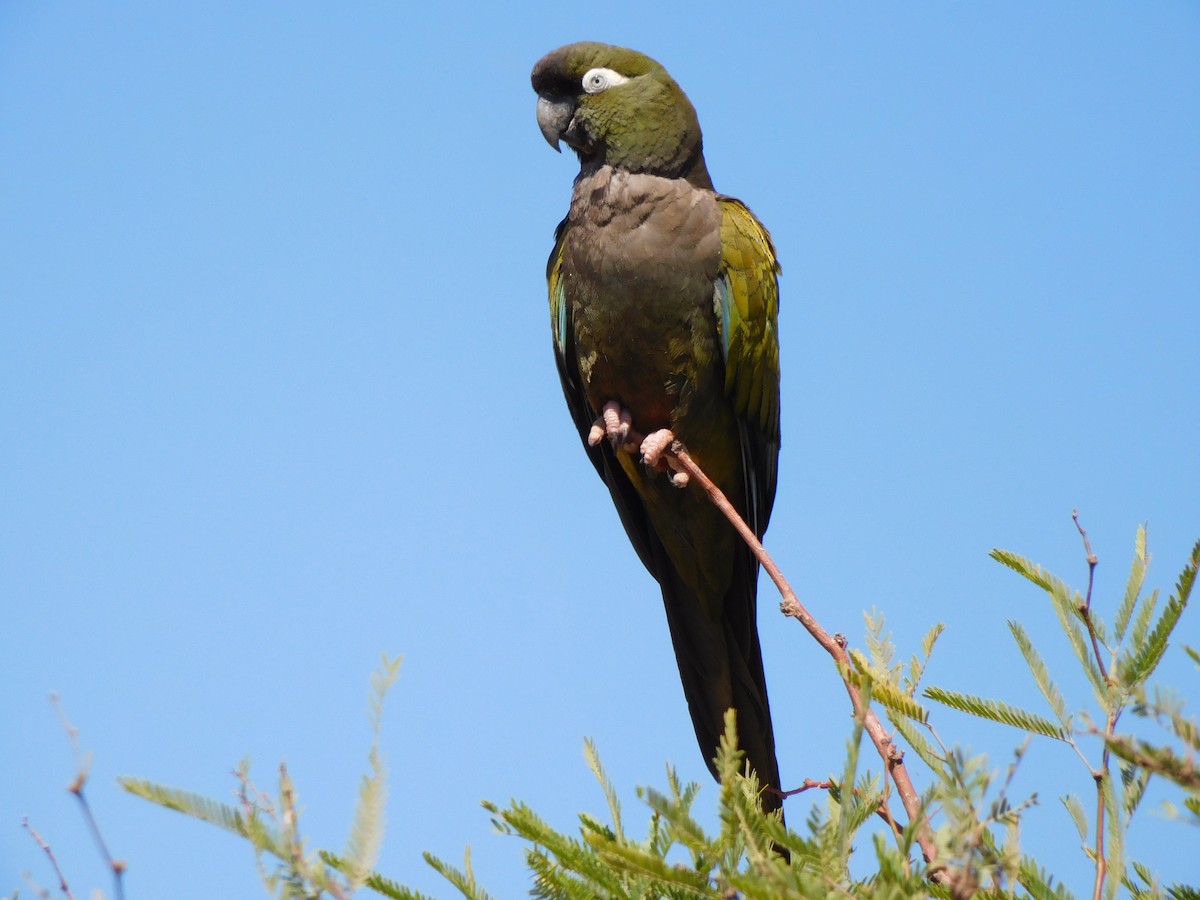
(554, 117)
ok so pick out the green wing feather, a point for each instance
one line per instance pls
(558, 295)
(748, 295)
(747, 307)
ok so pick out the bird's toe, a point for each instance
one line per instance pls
(655, 445)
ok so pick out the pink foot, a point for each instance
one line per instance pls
(655, 444)
(654, 454)
(614, 422)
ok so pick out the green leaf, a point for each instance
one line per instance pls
(930, 639)
(1114, 845)
(463, 879)
(1133, 782)
(683, 827)
(1145, 615)
(1133, 587)
(916, 668)
(917, 742)
(1187, 730)
(1147, 656)
(1021, 565)
(366, 831)
(1067, 608)
(997, 711)
(375, 882)
(1143, 872)
(1192, 805)
(1187, 578)
(1067, 605)
(1040, 674)
(886, 693)
(1163, 761)
(841, 790)
(660, 872)
(1135, 669)
(1038, 882)
(866, 801)
(1078, 816)
(220, 814)
(610, 794)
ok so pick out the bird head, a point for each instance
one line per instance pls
(618, 107)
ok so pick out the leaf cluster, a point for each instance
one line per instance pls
(1117, 663)
(850, 843)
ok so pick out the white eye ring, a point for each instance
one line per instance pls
(597, 80)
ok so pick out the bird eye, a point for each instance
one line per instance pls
(597, 80)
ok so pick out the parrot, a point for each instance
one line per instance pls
(664, 303)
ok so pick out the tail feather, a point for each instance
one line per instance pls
(720, 665)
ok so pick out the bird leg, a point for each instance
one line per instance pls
(615, 422)
(654, 454)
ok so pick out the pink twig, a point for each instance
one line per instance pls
(892, 756)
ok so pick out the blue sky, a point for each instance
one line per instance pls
(276, 396)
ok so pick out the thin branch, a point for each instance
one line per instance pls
(885, 812)
(41, 842)
(1103, 774)
(892, 756)
(116, 865)
(82, 763)
(808, 785)
(1086, 609)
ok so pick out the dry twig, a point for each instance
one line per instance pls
(41, 842)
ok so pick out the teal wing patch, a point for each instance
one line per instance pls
(747, 301)
(558, 294)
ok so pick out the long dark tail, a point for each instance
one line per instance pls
(720, 664)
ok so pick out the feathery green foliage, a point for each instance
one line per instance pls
(222, 815)
(1078, 815)
(916, 666)
(887, 693)
(366, 832)
(964, 810)
(1137, 665)
(273, 829)
(1040, 674)
(1133, 587)
(1118, 674)
(997, 711)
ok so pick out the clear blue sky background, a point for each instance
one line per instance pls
(276, 396)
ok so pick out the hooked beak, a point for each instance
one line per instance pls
(554, 116)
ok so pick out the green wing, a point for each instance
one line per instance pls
(747, 306)
(559, 325)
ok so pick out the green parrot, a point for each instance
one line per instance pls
(664, 303)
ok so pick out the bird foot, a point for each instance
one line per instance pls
(654, 454)
(655, 444)
(614, 422)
